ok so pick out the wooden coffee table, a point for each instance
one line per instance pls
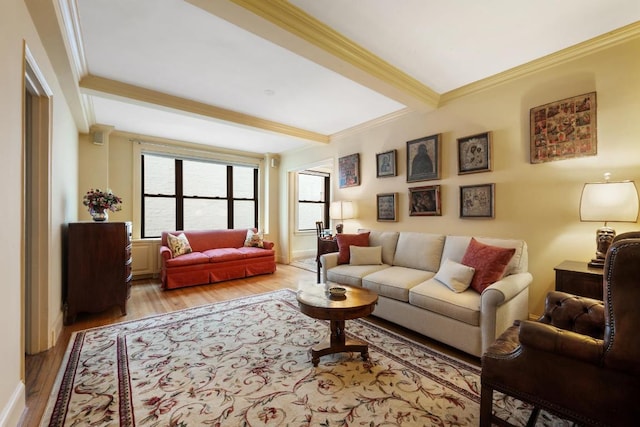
(315, 301)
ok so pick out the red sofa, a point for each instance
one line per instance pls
(216, 255)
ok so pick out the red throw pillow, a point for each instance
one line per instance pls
(490, 263)
(346, 240)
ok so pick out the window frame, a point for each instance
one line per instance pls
(326, 201)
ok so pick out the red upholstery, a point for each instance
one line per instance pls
(217, 255)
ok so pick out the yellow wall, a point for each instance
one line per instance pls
(535, 202)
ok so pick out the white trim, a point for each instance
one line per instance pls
(15, 407)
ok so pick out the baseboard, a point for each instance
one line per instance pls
(12, 411)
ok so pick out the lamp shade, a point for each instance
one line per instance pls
(609, 202)
(341, 210)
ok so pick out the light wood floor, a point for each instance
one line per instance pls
(147, 299)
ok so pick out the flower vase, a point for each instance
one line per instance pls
(99, 214)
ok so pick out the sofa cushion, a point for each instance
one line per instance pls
(419, 250)
(455, 276)
(251, 252)
(388, 240)
(361, 255)
(456, 246)
(179, 244)
(224, 254)
(346, 240)
(489, 261)
(352, 274)
(254, 239)
(395, 282)
(436, 297)
(188, 259)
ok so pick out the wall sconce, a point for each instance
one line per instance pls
(341, 211)
(608, 202)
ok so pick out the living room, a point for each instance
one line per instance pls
(534, 202)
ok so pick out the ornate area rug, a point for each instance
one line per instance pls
(246, 362)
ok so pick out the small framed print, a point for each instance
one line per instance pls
(477, 201)
(349, 170)
(424, 201)
(387, 206)
(563, 129)
(386, 164)
(474, 153)
(423, 158)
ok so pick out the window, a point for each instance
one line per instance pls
(186, 194)
(313, 196)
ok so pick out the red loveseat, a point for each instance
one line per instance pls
(216, 255)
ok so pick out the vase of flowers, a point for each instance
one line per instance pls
(100, 203)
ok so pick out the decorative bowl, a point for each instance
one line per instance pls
(337, 291)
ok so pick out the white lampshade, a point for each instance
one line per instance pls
(341, 210)
(609, 202)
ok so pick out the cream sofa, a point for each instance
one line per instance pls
(410, 296)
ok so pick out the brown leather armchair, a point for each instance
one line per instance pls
(581, 359)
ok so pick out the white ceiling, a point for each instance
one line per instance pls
(212, 72)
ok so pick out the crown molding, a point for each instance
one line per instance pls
(119, 90)
(571, 53)
(371, 124)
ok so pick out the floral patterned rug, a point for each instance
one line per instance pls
(246, 362)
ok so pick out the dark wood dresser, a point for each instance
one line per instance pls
(98, 267)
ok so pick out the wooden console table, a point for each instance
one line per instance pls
(325, 246)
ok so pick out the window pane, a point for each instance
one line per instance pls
(204, 179)
(159, 216)
(203, 214)
(311, 188)
(159, 175)
(308, 214)
(244, 214)
(243, 182)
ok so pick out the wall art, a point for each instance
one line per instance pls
(423, 158)
(349, 170)
(474, 153)
(563, 129)
(425, 201)
(387, 206)
(386, 164)
(477, 201)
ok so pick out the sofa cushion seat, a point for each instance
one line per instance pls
(255, 252)
(224, 254)
(188, 259)
(395, 282)
(352, 275)
(438, 298)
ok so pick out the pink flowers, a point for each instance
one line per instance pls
(99, 200)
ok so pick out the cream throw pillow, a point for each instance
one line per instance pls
(179, 244)
(253, 239)
(455, 276)
(365, 255)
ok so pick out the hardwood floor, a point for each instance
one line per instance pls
(148, 299)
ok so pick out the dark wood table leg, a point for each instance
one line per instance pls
(337, 342)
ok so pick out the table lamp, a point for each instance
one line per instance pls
(341, 211)
(608, 202)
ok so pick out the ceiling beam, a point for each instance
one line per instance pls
(290, 27)
(100, 86)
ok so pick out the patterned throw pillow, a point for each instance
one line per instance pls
(255, 240)
(346, 240)
(179, 244)
(490, 263)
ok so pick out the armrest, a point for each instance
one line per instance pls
(574, 313)
(267, 244)
(328, 261)
(505, 289)
(165, 253)
(550, 339)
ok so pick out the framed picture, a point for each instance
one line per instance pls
(477, 201)
(349, 170)
(386, 164)
(474, 153)
(563, 129)
(424, 201)
(387, 206)
(423, 158)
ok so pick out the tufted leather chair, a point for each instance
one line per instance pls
(581, 359)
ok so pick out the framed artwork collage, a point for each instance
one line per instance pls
(559, 130)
